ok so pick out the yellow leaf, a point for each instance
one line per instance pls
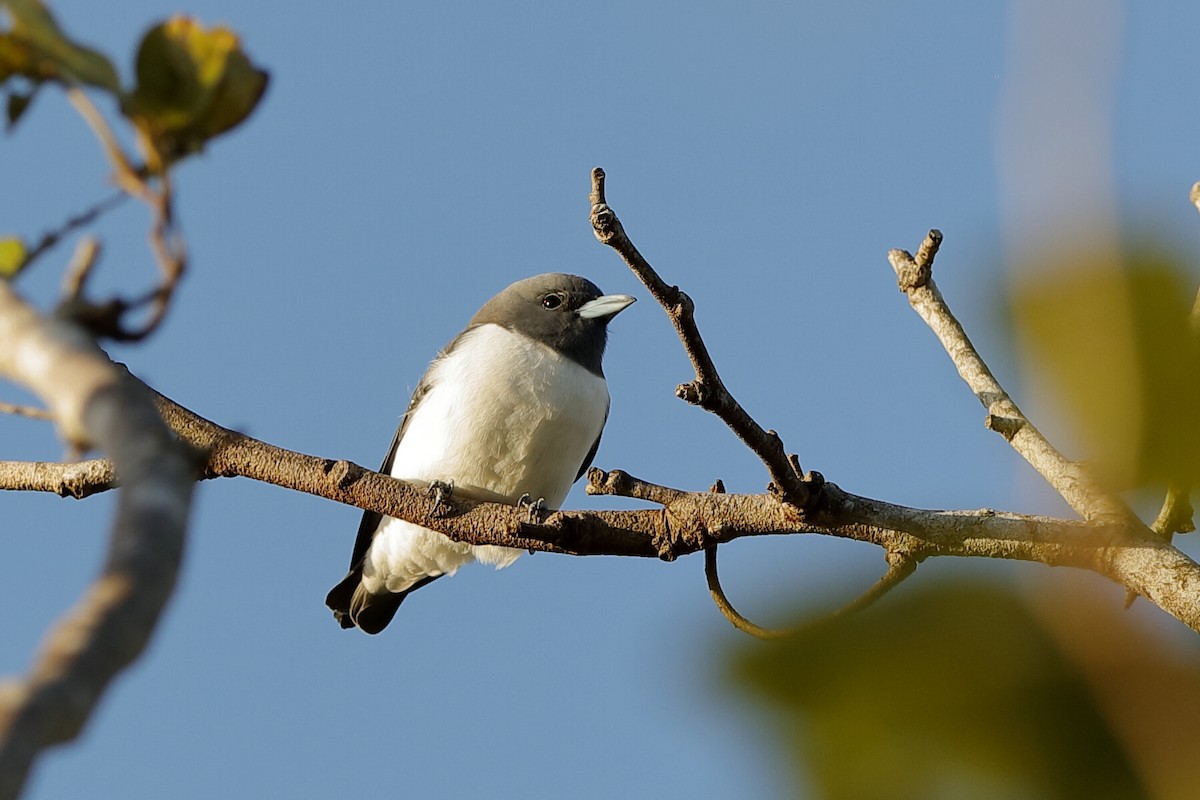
(12, 256)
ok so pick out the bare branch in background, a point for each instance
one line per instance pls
(153, 186)
(25, 411)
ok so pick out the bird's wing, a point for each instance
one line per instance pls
(371, 519)
(587, 460)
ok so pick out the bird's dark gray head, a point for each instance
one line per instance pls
(565, 312)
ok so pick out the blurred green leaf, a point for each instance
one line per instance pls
(37, 48)
(1112, 340)
(945, 692)
(193, 84)
(12, 256)
(17, 58)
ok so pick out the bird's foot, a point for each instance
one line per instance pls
(536, 508)
(439, 493)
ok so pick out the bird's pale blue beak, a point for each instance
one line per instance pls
(606, 306)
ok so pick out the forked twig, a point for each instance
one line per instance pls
(706, 390)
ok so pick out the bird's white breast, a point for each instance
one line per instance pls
(504, 416)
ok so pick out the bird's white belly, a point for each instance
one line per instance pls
(506, 416)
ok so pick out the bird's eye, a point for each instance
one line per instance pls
(552, 301)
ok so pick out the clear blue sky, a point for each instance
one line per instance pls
(408, 161)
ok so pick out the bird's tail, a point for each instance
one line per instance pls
(353, 606)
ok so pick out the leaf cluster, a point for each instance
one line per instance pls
(191, 83)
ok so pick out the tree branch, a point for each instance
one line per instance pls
(1069, 478)
(94, 403)
(1112, 542)
(25, 411)
(688, 522)
(706, 390)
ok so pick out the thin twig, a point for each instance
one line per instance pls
(726, 608)
(1069, 478)
(899, 568)
(166, 240)
(87, 253)
(706, 390)
(124, 174)
(170, 251)
(25, 411)
(87, 217)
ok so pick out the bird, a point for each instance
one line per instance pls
(510, 411)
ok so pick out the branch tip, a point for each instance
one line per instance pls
(597, 193)
(794, 460)
(929, 248)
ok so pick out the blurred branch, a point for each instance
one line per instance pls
(87, 217)
(78, 479)
(152, 185)
(124, 174)
(25, 411)
(94, 403)
(1069, 478)
(706, 390)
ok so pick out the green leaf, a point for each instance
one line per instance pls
(16, 58)
(948, 691)
(237, 95)
(12, 256)
(53, 54)
(1110, 337)
(193, 84)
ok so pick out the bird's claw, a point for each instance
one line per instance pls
(536, 508)
(439, 492)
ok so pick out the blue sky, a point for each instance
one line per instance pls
(408, 161)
